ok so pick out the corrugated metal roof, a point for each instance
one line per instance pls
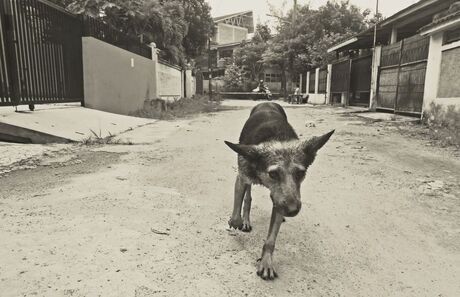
(228, 16)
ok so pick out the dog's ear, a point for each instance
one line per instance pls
(247, 151)
(312, 145)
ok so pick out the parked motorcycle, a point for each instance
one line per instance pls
(265, 91)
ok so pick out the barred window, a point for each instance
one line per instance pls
(272, 77)
(451, 36)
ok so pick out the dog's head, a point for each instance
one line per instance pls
(281, 167)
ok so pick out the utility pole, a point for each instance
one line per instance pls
(209, 69)
(294, 14)
(376, 21)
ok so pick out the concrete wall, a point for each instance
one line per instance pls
(442, 105)
(230, 34)
(116, 80)
(313, 91)
(170, 81)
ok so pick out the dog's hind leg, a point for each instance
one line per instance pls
(246, 210)
(240, 189)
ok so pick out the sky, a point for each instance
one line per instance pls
(261, 7)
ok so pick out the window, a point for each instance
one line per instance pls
(272, 77)
(451, 36)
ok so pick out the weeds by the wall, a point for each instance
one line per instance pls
(443, 124)
(97, 139)
(183, 107)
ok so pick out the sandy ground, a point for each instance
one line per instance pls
(381, 216)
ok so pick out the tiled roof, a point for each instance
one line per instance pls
(451, 14)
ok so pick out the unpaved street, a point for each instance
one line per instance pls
(380, 216)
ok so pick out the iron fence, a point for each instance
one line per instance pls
(42, 48)
(311, 82)
(102, 31)
(322, 81)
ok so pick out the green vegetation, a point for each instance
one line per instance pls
(184, 107)
(180, 28)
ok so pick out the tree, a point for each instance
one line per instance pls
(179, 28)
(249, 55)
(303, 45)
(233, 78)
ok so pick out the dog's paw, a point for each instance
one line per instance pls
(246, 226)
(265, 268)
(236, 223)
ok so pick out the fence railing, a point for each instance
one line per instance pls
(4, 84)
(42, 48)
(322, 81)
(102, 31)
(410, 50)
(311, 82)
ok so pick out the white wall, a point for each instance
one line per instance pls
(170, 81)
(116, 80)
(433, 73)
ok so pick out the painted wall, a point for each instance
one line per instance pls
(170, 81)
(116, 80)
(449, 78)
(442, 105)
(230, 34)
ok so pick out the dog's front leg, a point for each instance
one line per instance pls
(240, 188)
(247, 210)
(265, 267)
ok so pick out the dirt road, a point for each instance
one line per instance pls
(380, 216)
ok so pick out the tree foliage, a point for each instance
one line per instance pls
(302, 44)
(180, 28)
(249, 55)
(306, 41)
(233, 78)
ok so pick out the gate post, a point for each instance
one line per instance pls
(328, 83)
(12, 74)
(377, 55)
(153, 46)
(317, 80)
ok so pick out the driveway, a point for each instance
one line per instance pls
(380, 216)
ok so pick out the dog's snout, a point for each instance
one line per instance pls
(292, 212)
(290, 208)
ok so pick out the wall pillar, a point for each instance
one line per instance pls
(300, 82)
(433, 70)
(394, 35)
(317, 81)
(377, 54)
(328, 84)
(155, 93)
(189, 83)
(308, 83)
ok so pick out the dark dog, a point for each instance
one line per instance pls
(271, 154)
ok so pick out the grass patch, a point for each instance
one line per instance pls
(184, 107)
(97, 139)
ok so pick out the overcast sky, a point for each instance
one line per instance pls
(261, 8)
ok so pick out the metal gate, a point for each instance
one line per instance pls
(340, 80)
(199, 83)
(41, 53)
(360, 81)
(402, 75)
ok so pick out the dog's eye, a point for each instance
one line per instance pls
(274, 174)
(299, 174)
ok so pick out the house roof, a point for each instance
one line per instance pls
(232, 15)
(443, 20)
(408, 20)
(243, 19)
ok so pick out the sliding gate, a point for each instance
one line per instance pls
(402, 73)
(40, 53)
